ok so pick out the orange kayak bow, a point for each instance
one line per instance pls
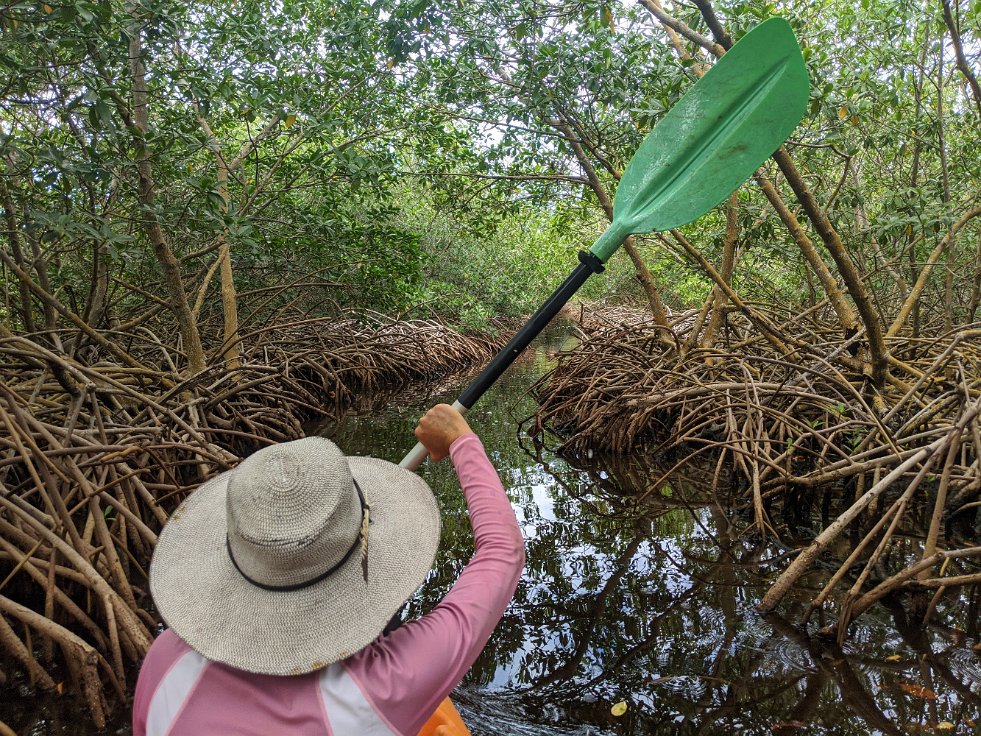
(445, 721)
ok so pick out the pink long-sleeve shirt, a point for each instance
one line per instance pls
(391, 686)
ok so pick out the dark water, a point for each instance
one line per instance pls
(647, 604)
(652, 605)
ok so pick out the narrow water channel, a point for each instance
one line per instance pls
(652, 605)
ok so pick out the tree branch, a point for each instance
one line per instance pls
(955, 38)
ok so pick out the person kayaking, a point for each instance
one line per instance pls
(278, 578)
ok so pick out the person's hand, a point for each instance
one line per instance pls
(438, 429)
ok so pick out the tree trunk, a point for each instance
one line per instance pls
(915, 171)
(97, 302)
(945, 179)
(976, 291)
(147, 197)
(712, 21)
(681, 28)
(921, 280)
(955, 39)
(231, 345)
(769, 331)
(50, 314)
(229, 301)
(846, 267)
(668, 24)
(13, 237)
(850, 322)
(718, 296)
(98, 298)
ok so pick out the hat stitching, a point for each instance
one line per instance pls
(359, 542)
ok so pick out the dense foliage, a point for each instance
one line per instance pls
(412, 156)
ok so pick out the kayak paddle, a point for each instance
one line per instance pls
(724, 127)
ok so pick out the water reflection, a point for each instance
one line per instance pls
(651, 603)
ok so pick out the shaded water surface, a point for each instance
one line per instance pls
(652, 605)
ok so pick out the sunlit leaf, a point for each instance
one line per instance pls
(917, 691)
(619, 709)
(945, 726)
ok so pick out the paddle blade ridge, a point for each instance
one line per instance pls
(717, 134)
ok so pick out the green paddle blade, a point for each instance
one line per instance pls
(714, 137)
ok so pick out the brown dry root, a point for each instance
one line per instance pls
(93, 458)
(789, 429)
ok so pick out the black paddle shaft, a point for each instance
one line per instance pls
(588, 265)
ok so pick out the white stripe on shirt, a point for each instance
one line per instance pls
(172, 692)
(349, 713)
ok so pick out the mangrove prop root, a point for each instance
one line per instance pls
(789, 428)
(89, 472)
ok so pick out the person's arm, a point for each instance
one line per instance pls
(408, 673)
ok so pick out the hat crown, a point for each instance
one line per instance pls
(293, 512)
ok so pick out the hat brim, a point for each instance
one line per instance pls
(207, 602)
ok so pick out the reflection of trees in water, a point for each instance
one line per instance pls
(652, 603)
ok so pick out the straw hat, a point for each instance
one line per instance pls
(295, 559)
